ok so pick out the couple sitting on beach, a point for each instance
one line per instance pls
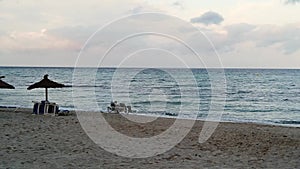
(117, 108)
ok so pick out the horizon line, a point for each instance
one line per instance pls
(113, 67)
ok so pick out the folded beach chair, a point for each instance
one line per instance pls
(52, 108)
(129, 109)
(121, 108)
(38, 108)
(45, 107)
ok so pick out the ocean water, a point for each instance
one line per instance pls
(269, 96)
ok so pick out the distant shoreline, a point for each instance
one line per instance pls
(29, 110)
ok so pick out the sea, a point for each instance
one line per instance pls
(267, 96)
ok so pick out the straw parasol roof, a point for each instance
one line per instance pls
(5, 85)
(46, 83)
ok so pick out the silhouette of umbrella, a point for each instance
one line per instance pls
(46, 83)
(5, 85)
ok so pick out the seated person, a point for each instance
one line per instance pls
(112, 106)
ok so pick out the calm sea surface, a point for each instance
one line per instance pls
(252, 95)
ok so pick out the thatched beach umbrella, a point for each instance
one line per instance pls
(46, 83)
(5, 85)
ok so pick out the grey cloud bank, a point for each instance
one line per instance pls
(292, 1)
(284, 38)
(208, 18)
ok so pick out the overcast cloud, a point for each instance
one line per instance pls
(47, 33)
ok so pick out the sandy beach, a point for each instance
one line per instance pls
(38, 141)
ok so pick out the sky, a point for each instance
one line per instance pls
(231, 33)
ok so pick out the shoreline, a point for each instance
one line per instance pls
(29, 110)
(30, 141)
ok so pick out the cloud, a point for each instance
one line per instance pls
(68, 28)
(208, 18)
(74, 33)
(178, 4)
(286, 37)
(137, 9)
(292, 1)
(283, 39)
(40, 40)
(239, 32)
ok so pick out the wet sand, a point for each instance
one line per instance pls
(38, 141)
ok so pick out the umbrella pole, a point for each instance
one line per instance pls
(46, 90)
